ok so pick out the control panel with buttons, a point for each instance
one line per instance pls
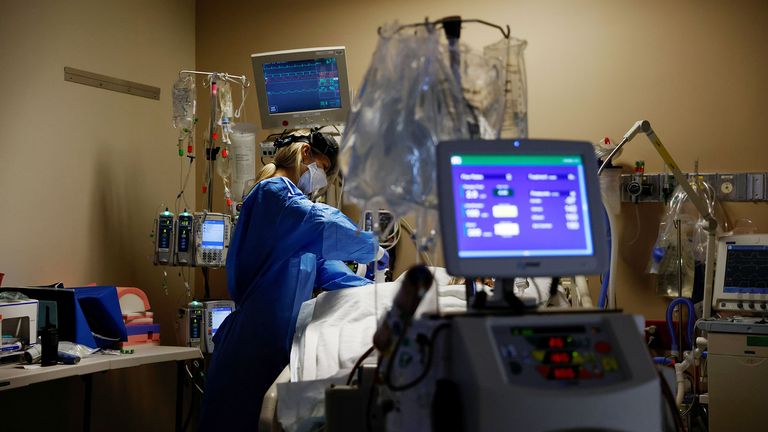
(163, 238)
(515, 371)
(212, 234)
(183, 253)
(559, 355)
(193, 328)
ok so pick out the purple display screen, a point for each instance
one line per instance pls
(520, 205)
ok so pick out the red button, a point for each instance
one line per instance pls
(543, 370)
(602, 347)
(585, 374)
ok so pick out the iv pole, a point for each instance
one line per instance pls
(210, 156)
(698, 202)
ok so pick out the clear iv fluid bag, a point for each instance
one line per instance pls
(242, 158)
(184, 95)
(515, 123)
(225, 100)
(410, 100)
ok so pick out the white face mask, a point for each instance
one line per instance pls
(313, 180)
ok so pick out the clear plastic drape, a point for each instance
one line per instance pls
(419, 90)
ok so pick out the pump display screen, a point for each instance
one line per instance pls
(213, 234)
(166, 229)
(517, 205)
(185, 227)
(302, 85)
(746, 269)
(218, 314)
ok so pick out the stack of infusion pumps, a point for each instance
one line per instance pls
(201, 320)
(192, 239)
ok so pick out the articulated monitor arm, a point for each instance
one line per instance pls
(645, 127)
(698, 202)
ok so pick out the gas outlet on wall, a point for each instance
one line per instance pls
(728, 186)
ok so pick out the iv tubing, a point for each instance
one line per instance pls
(607, 297)
(691, 319)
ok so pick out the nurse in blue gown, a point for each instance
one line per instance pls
(284, 246)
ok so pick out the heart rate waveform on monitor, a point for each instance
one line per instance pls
(302, 85)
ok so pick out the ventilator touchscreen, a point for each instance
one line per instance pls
(511, 208)
(509, 205)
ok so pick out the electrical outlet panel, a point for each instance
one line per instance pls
(728, 186)
(756, 186)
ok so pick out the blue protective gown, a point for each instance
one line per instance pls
(283, 246)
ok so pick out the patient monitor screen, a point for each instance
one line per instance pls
(218, 314)
(520, 205)
(746, 267)
(303, 85)
(213, 234)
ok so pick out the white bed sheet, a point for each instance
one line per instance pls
(335, 328)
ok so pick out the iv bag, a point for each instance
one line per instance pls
(409, 101)
(225, 101)
(676, 256)
(510, 51)
(184, 103)
(243, 158)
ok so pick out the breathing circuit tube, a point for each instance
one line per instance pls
(602, 302)
(691, 321)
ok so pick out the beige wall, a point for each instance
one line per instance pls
(695, 69)
(83, 171)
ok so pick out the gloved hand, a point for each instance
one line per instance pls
(381, 253)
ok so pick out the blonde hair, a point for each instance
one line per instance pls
(287, 158)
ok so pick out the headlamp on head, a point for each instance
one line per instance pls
(318, 141)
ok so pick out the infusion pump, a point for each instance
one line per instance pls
(192, 239)
(201, 321)
(212, 231)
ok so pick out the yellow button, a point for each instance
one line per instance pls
(577, 359)
(538, 355)
(610, 364)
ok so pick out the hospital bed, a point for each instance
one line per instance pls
(333, 331)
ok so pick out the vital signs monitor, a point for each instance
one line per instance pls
(741, 277)
(303, 87)
(521, 208)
